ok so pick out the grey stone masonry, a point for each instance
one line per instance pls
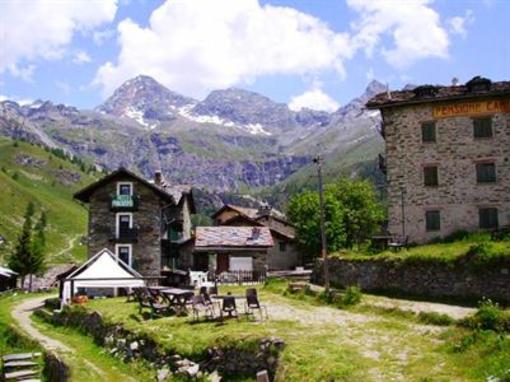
(456, 152)
(146, 250)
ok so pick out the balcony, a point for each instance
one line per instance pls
(124, 203)
(382, 163)
(126, 235)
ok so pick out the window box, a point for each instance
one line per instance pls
(124, 203)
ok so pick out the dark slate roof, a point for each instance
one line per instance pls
(475, 88)
(172, 193)
(233, 237)
(252, 213)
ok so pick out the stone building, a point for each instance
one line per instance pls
(231, 249)
(141, 222)
(283, 254)
(447, 158)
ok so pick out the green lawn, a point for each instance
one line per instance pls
(89, 362)
(29, 173)
(479, 244)
(324, 343)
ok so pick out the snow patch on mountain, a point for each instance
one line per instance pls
(132, 113)
(251, 128)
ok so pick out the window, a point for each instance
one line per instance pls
(124, 223)
(125, 189)
(482, 127)
(485, 172)
(430, 176)
(124, 253)
(283, 246)
(428, 132)
(433, 221)
(488, 218)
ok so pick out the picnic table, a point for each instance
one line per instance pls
(177, 298)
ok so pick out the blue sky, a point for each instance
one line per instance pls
(314, 53)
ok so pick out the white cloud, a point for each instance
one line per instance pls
(370, 74)
(194, 46)
(100, 37)
(42, 29)
(413, 26)
(458, 24)
(314, 99)
(81, 57)
(19, 101)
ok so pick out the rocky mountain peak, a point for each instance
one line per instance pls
(144, 97)
(373, 88)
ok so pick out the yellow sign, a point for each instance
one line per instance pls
(459, 109)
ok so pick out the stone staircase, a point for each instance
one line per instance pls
(21, 367)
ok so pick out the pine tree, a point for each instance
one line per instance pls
(28, 256)
(19, 261)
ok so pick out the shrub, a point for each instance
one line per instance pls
(434, 318)
(456, 236)
(488, 317)
(352, 296)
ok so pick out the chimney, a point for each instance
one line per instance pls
(158, 178)
(264, 210)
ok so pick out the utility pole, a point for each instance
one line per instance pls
(324, 248)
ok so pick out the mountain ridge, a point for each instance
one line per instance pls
(233, 140)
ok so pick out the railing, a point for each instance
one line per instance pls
(239, 277)
(127, 235)
(382, 163)
(124, 203)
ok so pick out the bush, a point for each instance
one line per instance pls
(352, 296)
(456, 236)
(488, 317)
(434, 318)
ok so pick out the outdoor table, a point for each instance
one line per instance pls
(381, 241)
(177, 298)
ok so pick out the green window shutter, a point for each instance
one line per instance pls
(433, 220)
(482, 127)
(488, 218)
(430, 176)
(485, 172)
(428, 132)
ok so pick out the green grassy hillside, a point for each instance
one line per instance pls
(30, 173)
(358, 160)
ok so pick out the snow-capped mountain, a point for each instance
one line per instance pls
(231, 138)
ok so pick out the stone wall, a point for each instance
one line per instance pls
(461, 280)
(455, 152)
(146, 252)
(238, 359)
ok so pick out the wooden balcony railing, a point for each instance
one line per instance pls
(124, 203)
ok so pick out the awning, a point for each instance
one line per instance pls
(103, 270)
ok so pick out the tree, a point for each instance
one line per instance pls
(352, 214)
(362, 212)
(304, 213)
(28, 255)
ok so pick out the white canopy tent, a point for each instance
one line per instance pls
(103, 270)
(6, 272)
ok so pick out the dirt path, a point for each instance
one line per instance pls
(21, 314)
(70, 245)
